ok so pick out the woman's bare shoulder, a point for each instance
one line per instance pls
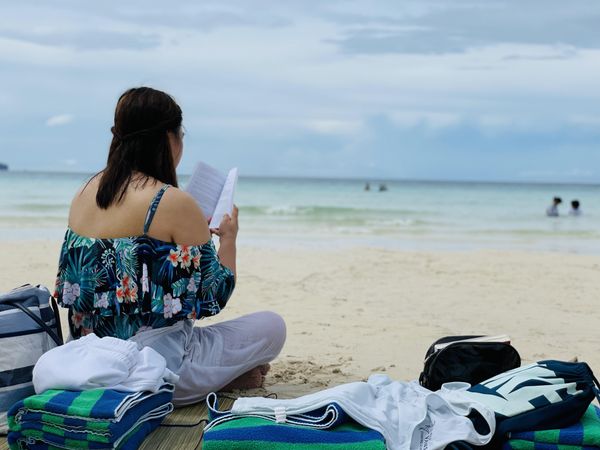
(85, 195)
(177, 200)
(190, 227)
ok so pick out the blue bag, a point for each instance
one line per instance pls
(544, 395)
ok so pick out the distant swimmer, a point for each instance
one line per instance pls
(575, 209)
(552, 210)
(367, 187)
(382, 187)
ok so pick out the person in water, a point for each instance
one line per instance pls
(138, 261)
(552, 210)
(575, 208)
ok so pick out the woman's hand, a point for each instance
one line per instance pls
(228, 229)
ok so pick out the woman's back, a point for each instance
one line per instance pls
(120, 270)
(127, 217)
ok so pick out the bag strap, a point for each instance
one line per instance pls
(56, 311)
(37, 320)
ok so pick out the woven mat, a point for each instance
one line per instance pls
(181, 438)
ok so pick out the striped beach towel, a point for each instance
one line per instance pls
(327, 428)
(38, 440)
(254, 433)
(582, 435)
(93, 419)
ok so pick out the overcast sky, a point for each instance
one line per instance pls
(448, 89)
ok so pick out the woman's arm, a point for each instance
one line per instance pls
(227, 233)
(217, 270)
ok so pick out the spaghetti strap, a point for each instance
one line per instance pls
(153, 206)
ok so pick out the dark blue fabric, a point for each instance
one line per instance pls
(290, 434)
(545, 414)
(132, 442)
(543, 446)
(584, 432)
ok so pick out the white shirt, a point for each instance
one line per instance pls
(408, 416)
(110, 363)
(552, 211)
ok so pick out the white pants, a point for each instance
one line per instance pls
(208, 358)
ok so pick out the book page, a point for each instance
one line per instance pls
(225, 203)
(205, 185)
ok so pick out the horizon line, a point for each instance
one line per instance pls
(362, 179)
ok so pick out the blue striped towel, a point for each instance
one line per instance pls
(327, 428)
(94, 419)
(584, 434)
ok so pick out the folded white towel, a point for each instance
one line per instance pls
(110, 363)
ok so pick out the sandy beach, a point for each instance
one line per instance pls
(356, 311)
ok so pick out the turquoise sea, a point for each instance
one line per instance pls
(320, 213)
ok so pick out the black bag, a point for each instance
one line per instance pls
(471, 362)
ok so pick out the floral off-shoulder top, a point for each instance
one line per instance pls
(121, 286)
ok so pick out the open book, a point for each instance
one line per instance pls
(500, 338)
(213, 191)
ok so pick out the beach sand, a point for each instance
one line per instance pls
(356, 311)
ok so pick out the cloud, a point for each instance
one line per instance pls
(457, 26)
(427, 119)
(360, 27)
(86, 39)
(335, 126)
(441, 88)
(58, 120)
(544, 54)
(592, 121)
(205, 19)
(580, 173)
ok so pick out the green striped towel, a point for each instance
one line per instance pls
(92, 418)
(584, 434)
(252, 433)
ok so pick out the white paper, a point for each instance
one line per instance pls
(213, 191)
(225, 202)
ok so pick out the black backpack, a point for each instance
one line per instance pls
(468, 361)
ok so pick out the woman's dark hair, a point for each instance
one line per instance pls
(143, 117)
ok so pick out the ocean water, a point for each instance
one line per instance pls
(313, 213)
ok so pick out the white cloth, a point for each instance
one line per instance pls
(210, 357)
(110, 363)
(552, 211)
(408, 416)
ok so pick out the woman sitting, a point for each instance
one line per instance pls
(138, 261)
